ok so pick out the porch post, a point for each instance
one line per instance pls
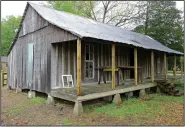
(174, 66)
(165, 70)
(135, 66)
(113, 66)
(152, 66)
(56, 53)
(78, 67)
(181, 61)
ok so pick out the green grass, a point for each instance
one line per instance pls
(137, 107)
(66, 122)
(38, 100)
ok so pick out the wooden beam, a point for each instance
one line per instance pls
(78, 67)
(181, 62)
(113, 66)
(152, 66)
(174, 66)
(56, 53)
(116, 91)
(135, 67)
(165, 67)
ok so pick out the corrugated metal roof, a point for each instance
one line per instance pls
(83, 27)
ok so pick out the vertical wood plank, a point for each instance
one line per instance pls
(113, 66)
(152, 66)
(181, 62)
(69, 71)
(78, 67)
(135, 66)
(56, 65)
(175, 66)
(165, 70)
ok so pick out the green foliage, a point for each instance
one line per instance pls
(164, 24)
(9, 27)
(82, 8)
(38, 100)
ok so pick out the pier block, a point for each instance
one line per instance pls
(18, 89)
(78, 108)
(31, 94)
(142, 93)
(117, 99)
(50, 99)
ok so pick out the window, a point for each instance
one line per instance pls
(89, 61)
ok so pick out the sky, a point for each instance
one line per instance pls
(16, 8)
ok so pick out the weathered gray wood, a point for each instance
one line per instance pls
(42, 34)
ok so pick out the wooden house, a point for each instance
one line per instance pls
(102, 59)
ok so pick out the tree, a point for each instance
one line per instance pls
(9, 27)
(164, 23)
(117, 13)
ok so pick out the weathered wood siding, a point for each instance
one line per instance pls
(41, 34)
(64, 61)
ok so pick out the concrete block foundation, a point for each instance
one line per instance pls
(78, 108)
(18, 90)
(50, 99)
(142, 93)
(31, 94)
(117, 99)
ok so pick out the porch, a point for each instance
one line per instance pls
(94, 90)
(88, 62)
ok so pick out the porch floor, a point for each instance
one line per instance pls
(95, 90)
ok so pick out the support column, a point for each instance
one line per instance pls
(181, 61)
(165, 68)
(142, 93)
(78, 108)
(174, 66)
(135, 67)
(78, 67)
(117, 99)
(50, 99)
(31, 94)
(56, 53)
(18, 89)
(113, 66)
(152, 66)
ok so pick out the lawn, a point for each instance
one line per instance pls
(154, 109)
